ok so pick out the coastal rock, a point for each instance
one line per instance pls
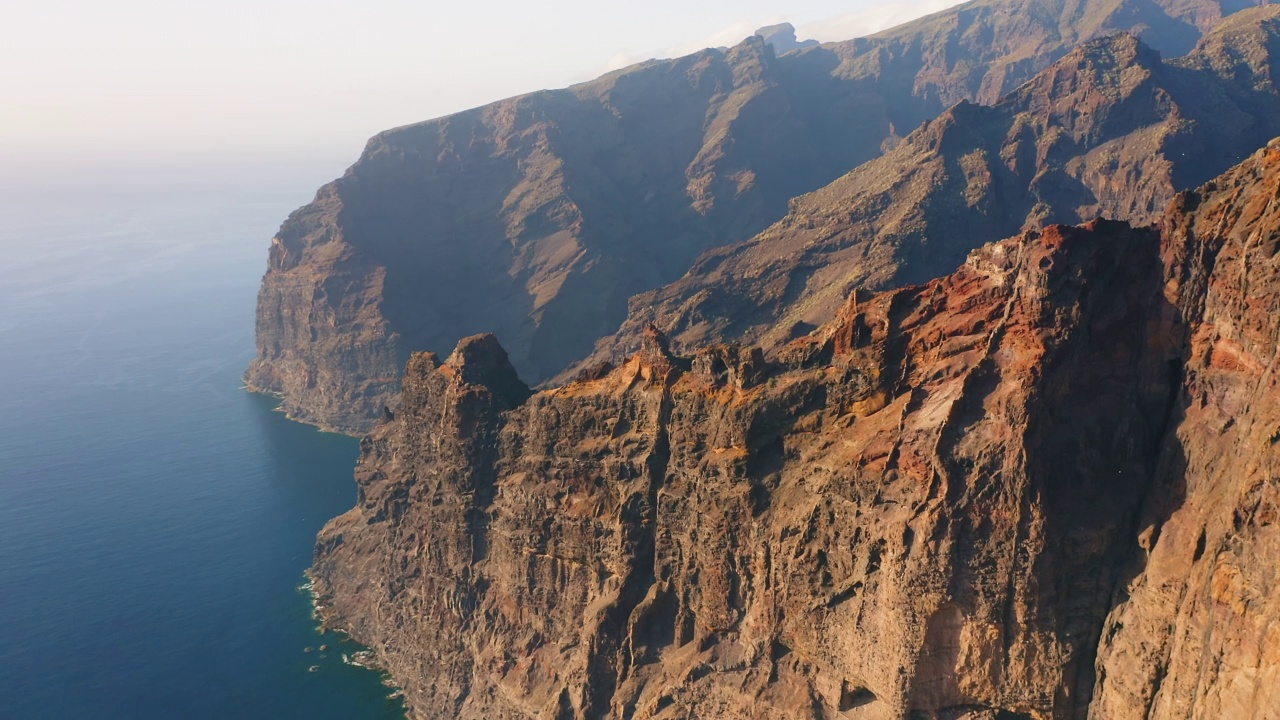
(536, 218)
(1196, 633)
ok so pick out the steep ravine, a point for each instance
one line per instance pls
(1043, 486)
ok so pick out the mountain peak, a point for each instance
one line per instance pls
(481, 360)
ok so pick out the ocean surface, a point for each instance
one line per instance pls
(156, 519)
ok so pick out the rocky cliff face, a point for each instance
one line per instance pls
(537, 217)
(1043, 486)
(1196, 633)
(1110, 130)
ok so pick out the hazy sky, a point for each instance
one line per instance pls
(83, 80)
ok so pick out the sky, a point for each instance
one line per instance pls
(100, 81)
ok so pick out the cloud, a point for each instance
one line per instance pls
(881, 16)
(877, 15)
(731, 35)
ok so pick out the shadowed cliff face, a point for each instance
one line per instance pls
(1197, 631)
(1110, 130)
(537, 217)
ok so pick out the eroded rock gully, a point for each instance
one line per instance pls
(1044, 486)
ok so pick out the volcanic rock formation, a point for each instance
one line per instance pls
(1043, 486)
(537, 217)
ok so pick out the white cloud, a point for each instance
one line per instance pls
(868, 21)
(874, 16)
(731, 35)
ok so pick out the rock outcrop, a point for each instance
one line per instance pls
(1043, 486)
(537, 217)
(1110, 130)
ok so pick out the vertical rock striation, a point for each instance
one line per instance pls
(889, 521)
(1197, 631)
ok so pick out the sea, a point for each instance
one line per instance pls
(155, 518)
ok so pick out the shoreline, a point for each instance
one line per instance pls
(280, 398)
(363, 657)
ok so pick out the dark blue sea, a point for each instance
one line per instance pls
(155, 519)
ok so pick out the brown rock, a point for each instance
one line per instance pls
(1043, 486)
(1197, 631)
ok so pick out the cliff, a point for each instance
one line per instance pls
(537, 217)
(1196, 633)
(1042, 486)
(1110, 130)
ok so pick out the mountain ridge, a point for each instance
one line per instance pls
(1110, 130)
(537, 217)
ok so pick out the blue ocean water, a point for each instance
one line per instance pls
(155, 519)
